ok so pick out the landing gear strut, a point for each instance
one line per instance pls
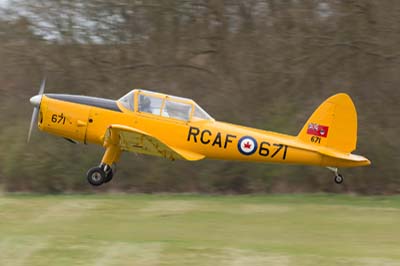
(338, 177)
(105, 172)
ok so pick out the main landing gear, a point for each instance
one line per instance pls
(96, 176)
(338, 177)
(99, 175)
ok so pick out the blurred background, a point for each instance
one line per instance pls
(261, 63)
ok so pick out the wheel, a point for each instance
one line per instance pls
(339, 179)
(109, 176)
(96, 176)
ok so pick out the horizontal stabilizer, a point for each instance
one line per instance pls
(360, 160)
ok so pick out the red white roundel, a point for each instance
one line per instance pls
(247, 145)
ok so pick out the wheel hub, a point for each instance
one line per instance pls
(96, 176)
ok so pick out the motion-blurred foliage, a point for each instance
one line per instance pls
(262, 63)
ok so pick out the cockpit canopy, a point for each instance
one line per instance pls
(163, 105)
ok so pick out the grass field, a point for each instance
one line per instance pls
(199, 230)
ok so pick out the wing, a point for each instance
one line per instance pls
(135, 140)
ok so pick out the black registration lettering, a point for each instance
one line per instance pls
(315, 139)
(202, 138)
(284, 152)
(193, 131)
(217, 140)
(58, 119)
(280, 146)
(207, 137)
(227, 140)
(264, 151)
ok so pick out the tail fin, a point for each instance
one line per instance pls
(333, 124)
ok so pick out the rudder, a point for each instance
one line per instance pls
(333, 124)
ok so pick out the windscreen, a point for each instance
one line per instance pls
(199, 113)
(128, 101)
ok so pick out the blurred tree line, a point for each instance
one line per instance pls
(260, 63)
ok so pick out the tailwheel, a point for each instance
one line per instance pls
(96, 176)
(339, 179)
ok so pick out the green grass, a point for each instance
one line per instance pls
(199, 230)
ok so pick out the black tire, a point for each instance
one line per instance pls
(109, 176)
(339, 179)
(96, 176)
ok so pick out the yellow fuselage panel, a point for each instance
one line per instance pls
(212, 139)
(64, 119)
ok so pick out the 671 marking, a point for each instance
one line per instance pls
(58, 119)
(315, 139)
(265, 151)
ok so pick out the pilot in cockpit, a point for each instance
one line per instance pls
(145, 104)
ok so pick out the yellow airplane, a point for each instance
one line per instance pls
(177, 128)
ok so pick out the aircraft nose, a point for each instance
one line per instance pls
(35, 100)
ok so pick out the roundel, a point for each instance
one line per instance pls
(247, 145)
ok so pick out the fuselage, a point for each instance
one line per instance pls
(86, 119)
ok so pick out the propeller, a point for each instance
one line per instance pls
(35, 101)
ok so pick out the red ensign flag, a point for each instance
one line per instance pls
(317, 130)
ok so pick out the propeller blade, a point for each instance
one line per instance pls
(33, 121)
(41, 90)
(35, 100)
